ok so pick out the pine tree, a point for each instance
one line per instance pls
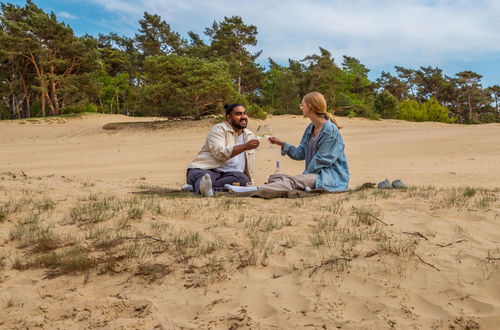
(470, 93)
(155, 37)
(229, 40)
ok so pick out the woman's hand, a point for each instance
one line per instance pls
(274, 140)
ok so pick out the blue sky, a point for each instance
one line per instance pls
(454, 35)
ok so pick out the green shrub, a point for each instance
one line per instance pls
(81, 107)
(90, 107)
(36, 109)
(386, 105)
(254, 111)
(430, 110)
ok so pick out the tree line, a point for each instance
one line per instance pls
(47, 70)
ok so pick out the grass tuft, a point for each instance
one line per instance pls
(399, 247)
(36, 237)
(267, 223)
(3, 213)
(93, 211)
(366, 215)
(135, 213)
(72, 260)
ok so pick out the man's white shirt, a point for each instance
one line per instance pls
(237, 163)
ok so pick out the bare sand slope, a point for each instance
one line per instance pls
(418, 153)
(83, 246)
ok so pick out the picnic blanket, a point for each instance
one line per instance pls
(266, 194)
(257, 193)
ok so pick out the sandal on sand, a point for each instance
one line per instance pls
(398, 184)
(384, 185)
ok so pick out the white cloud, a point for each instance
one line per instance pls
(64, 14)
(376, 32)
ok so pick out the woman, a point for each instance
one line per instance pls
(322, 147)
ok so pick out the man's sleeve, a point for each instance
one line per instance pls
(217, 144)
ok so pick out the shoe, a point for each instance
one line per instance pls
(187, 187)
(384, 185)
(398, 184)
(206, 186)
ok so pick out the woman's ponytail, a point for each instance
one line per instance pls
(333, 119)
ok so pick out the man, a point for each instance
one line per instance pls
(227, 156)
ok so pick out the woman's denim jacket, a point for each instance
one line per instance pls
(329, 162)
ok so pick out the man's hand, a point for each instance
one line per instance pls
(274, 140)
(252, 144)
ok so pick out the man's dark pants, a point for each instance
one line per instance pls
(219, 179)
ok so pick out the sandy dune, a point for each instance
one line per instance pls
(418, 153)
(422, 258)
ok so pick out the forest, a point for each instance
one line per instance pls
(46, 70)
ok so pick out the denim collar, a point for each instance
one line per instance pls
(326, 129)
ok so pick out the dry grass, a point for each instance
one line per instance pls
(267, 223)
(3, 212)
(455, 198)
(38, 204)
(153, 235)
(37, 237)
(66, 261)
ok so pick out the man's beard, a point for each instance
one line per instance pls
(242, 124)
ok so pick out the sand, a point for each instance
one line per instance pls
(426, 257)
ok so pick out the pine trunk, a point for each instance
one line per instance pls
(470, 106)
(28, 105)
(53, 90)
(49, 101)
(39, 73)
(26, 97)
(239, 71)
(43, 102)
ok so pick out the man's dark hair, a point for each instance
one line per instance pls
(229, 107)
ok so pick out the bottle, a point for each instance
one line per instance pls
(277, 170)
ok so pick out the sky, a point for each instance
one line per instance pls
(454, 35)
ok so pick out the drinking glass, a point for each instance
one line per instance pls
(265, 132)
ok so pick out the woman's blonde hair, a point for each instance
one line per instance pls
(317, 103)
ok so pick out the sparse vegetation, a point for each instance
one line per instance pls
(3, 213)
(135, 213)
(289, 241)
(367, 215)
(335, 207)
(427, 192)
(399, 247)
(138, 234)
(466, 197)
(73, 259)
(37, 237)
(267, 223)
(92, 212)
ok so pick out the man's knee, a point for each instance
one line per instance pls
(194, 174)
(232, 177)
(241, 178)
